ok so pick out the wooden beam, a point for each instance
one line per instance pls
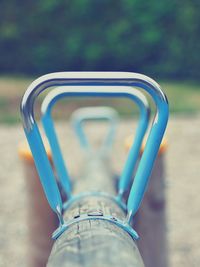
(95, 242)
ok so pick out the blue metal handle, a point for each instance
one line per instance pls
(61, 92)
(85, 82)
(82, 115)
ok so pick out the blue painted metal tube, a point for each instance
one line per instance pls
(57, 157)
(130, 164)
(85, 81)
(59, 93)
(148, 158)
(49, 128)
(44, 169)
(95, 114)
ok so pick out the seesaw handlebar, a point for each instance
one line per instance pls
(63, 92)
(93, 114)
(90, 79)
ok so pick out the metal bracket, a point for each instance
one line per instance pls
(87, 217)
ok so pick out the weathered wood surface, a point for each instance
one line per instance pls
(96, 174)
(95, 243)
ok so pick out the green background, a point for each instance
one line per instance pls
(157, 37)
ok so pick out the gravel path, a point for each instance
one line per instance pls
(183, 183)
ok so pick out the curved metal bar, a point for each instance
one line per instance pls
(59, 164)
(101, 113)
(60, 92)
(90, 79)
(121, 224)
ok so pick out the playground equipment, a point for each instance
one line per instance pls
(81, 84)
(47, 121)
(97, 157)
(95, 114)
(97, 165)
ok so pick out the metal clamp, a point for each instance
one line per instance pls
(123, 225)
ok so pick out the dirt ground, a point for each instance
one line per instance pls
(182, 179)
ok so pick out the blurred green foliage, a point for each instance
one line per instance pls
(155, 37)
